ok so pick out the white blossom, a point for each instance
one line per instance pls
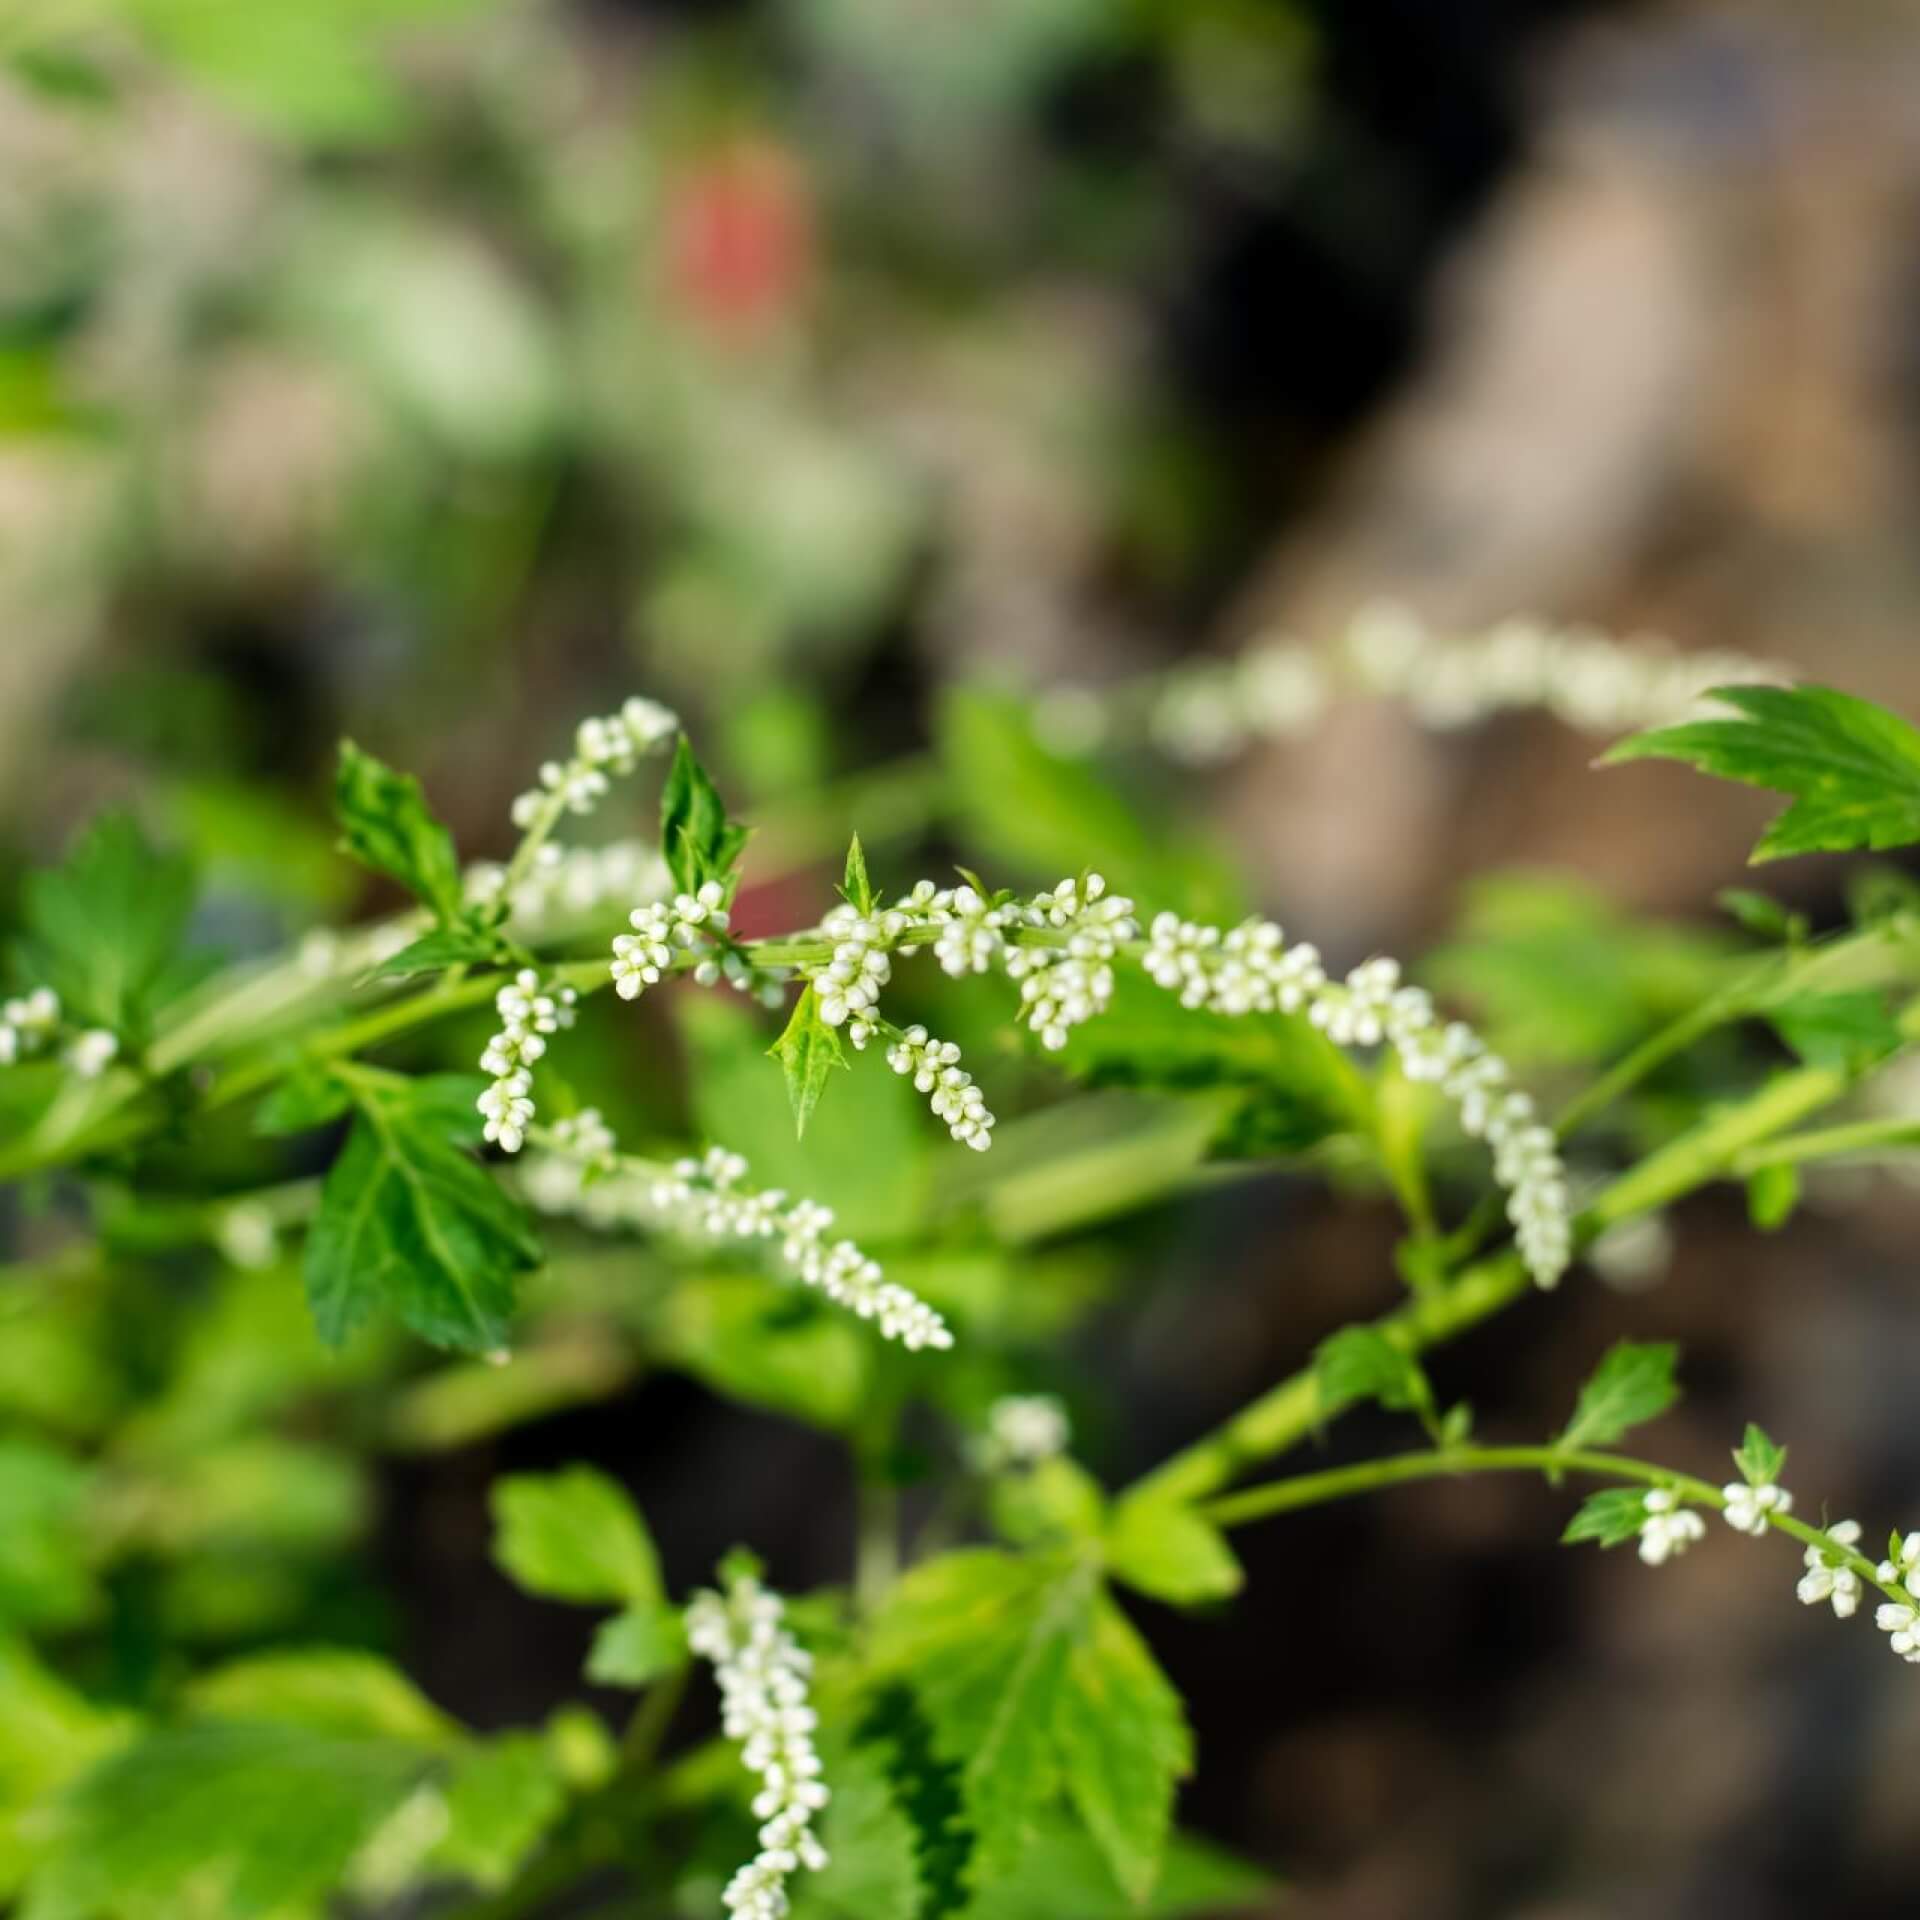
(1902, 1622)
(1063, 986)
(529, 1013)
(585, 1136)
(849, 984)
(28, 1024)
(1669, 1528)
(688, 923)
(936, 1070)
(1904, 1568)
(1748, 1506)
(763, 1672)
(1252, 969)
(93, 1052)
(602, 747)
(1022, 1430)
(1828, 1577)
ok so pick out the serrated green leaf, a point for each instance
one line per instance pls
(1846, 1031)
(338, 1690)
(855, 888)
(258, 1819)
(1632, 1384)
(459, 945)
(409, 1222)
(697, 840)
(1360, 1363)
(1166, 1549)
(1125, 1746)
(1063, 1872)
(1609, 1518)
(636, 1647)
(385, 824)
(871, 1871)
(1759, 1458)
(808, 1051)
(502, 1798)
(1773, 1192)
(104, 929)
(575, 1535)
(983, 1638)
(1851, 768)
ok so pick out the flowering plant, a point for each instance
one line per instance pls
(971, 1721)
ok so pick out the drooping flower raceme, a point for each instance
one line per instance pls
(1251, 969)
(528, 1013)
(1828, 1577)
(601, 747)
(763, 1672)
(936, 1070)
(1063, 986)
(708, 1198)
(1669, 1528)
(688, 923)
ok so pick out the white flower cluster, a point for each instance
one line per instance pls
(601, 747)
(706, 1197)
(31, 1024)
(688, 923)
(1251, 969)
(937, 1072)
(1828, 1578)
(1748, 1506)
(528, 1014)
(1063, 986)
(849, 983)
(763, 1673)
(1669, 1528)
(1279, 688)
(28, 1025)
(1899, 1619)
(1023, 1429)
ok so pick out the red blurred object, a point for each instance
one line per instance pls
(739, 239)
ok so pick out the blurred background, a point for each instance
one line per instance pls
(439, 371)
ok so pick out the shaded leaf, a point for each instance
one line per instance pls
(385, 824)
(328, 1689)
(501, 1799)
(1609, 1518)
(575, 1535)
(1846, 1031)
(1631, 1385)
(1166, 1549)
(637, 1646)
(1759, 1458)
(1851, 767)
(808, 1051)
(697, 840)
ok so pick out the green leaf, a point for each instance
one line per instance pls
(385, 824)
(459, 945)
(1851, 767)
(871, 1872)
(104, 929)
(1631, 1385)
(636, 1647)
(1051, 816)
(1772, 1194)
(1759, 1459)
(46, 1580)
(983, 1639)
(308, 1097)
(257, 1819)
(1361, 1363)
(336, 1690)
(1164, 1548)
(1761, 914)
(1124, 1742)
(1051, 1501)
(855, 888)
(575, 1535)
(1849, 1032)
(1064, 1873)
(1610, 1517)
(410, 1222)
(697, 840)
(1031, 1679)
(503, 1797)
(808, 1051)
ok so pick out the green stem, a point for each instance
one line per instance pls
(1829, 1143)
(1370, 1476)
